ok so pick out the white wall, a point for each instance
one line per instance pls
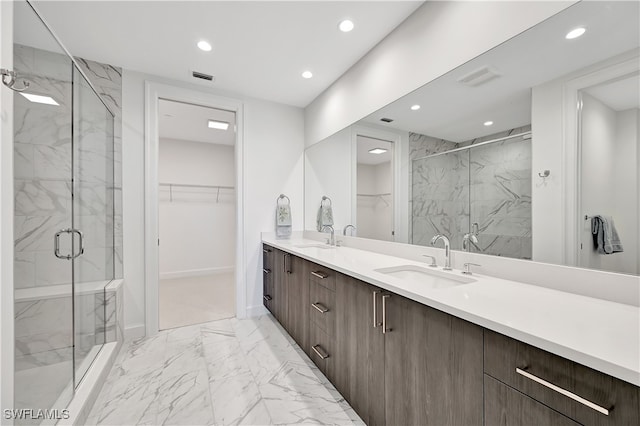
(328, 172)
(436, 38)
(6, 214)
(273, 164)
(197, 226)
(609, 181)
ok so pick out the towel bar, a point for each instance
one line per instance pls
(282, 197)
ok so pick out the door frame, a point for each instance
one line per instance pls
(153, 93)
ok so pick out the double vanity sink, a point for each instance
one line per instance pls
(563, 358)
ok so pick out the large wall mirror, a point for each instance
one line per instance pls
(529, 151)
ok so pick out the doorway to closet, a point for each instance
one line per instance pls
(197, 214)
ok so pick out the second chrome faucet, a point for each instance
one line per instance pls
(447, 250)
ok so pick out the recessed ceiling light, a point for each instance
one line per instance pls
(377, 151)
(220, 125)
(48, 100)
(346, 26)
(415, 107)
(575, 33)
(204, 45)
(488, 123)
(307, 74)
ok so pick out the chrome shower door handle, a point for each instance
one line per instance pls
(56, 244)
(81, 239)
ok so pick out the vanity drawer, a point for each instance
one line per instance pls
(321, 348)
(323, 276)
(322, 302)
(570, 388)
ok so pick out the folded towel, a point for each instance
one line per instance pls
(283, 221)
(605, 235)
(325, 217)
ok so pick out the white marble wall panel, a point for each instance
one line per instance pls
(490, 184)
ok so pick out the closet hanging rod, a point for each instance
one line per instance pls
(184, 185)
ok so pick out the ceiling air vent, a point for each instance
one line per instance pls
(478, 77)
(386, 120)
(202, 76)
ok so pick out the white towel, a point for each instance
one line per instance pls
(325, 217)
(283, 221)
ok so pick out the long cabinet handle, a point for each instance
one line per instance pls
(287, 269)
(266, 271)
(563, 391)
(266, 250)
(267, 297)
(375, 309)
(320, 307)
(317, 349)
(319, 274)
(384, 313)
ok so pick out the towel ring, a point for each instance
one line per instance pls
(282, 197)
(325, 198)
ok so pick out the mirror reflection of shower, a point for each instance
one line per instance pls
(374, 188)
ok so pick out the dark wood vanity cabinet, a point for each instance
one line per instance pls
(433, 366)
(268, 271)
(297, 284)
(579, 393)
(359, 349)
(429, 367)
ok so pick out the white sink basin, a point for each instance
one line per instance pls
(316, 245)
(426, 277)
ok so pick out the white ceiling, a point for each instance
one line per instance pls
(190, 122)
(364, 144)
(260, 48)
(452, 111)
(619, 95)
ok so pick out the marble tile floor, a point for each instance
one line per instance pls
(226, 372)
(195, 300)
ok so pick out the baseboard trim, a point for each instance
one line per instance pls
(134, 332)
(256, 311)
(196, 272)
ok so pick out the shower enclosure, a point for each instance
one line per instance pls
(64, 217)
(478, 195)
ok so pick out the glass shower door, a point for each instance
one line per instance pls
(42, 182)
(93, 218)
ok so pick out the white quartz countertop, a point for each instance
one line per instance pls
(597, 333)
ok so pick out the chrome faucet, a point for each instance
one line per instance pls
(447, 250)
(344, 230)
(471, 237)
(331, 241)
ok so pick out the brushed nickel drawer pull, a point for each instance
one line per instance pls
(266, 271)
(563, 392)
(319, 274)
(266, 251)
(384, 313)
(320, 307)
(317, 350)
(267, 297)
(375, 313)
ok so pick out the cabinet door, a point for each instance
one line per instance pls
(359, 349)
(297, 273)
(433, 366)
(505, 406)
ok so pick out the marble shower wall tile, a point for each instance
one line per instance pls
(490, 184)
(43, 171)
